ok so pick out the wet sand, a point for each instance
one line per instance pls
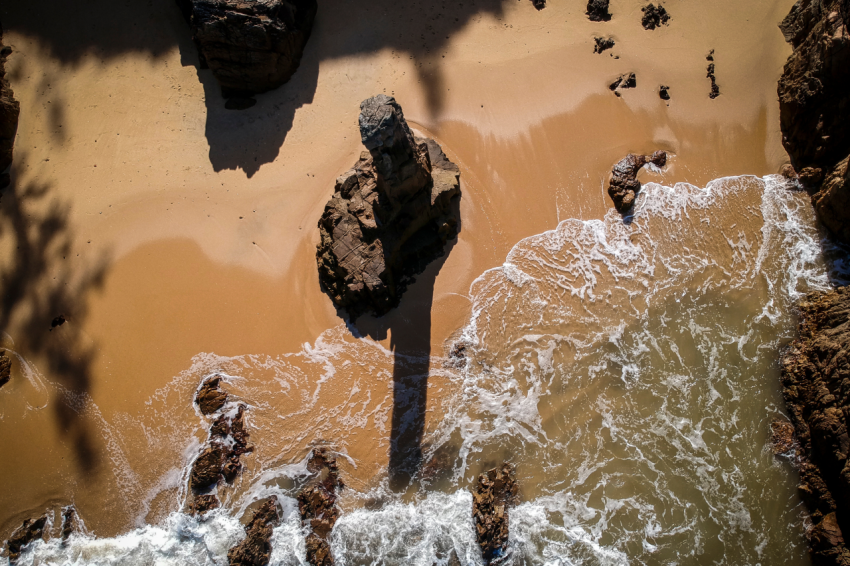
(163, 226)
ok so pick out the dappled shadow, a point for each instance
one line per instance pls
(42, 303)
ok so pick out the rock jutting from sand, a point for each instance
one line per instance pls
(628, 80)
(210, 398)
(714, 92)
(814, 106)
(317, 505)
(256, 548)
(10, 109)
(624, 186)
(602, 44)
(495, 494)
(654, 16)
(390, 215)
(539, 4)
(30, 531)
(251, 46)
(597, 10)
(664, 92)
(815, 385)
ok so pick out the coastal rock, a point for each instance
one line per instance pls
(203, 504)
(390, 215)
(5, 368)
(210, 398)
(624, 186)
(654, 16)
(221, 457)
(602, 44)
(815, 373)
(597, 10)
(832, 200)
(251, 46)
(495, 494)
(539, 4)
(317, 505)
(664, 92)
(207, 468)
(29, 531)
(715, 90)
(10, 109)
(628, 80)
(256, 548)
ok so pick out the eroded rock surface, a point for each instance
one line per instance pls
(814, 105)
(815, 374)
(390, 215)
(29, 531)
(256, 548)
(10, 109)
(495, 494)
(654, 16)
(210, 398)
(317, 505)
(597, 10)
(624, 186)
(251, 46)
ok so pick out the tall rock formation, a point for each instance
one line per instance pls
(814, 105)
(816, 385)
(251, 46)
(390, 215)
(10, 109)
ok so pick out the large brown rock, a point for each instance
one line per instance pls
(256, 548)
(10, 109)
(390, 215)
(317, 505)
(624, 187)
(816, 385)
(251, 46)
(30, 531)
(495, 494)
(209, 397)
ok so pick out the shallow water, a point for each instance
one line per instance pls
(629, 370)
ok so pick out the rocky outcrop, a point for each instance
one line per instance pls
(629, 80)
(602, 44)
(815, 373)
(209, 397)
(654, 16)
(597, 10)
(5, 368)
(30, 531)
(814, 105)
(624, 186)
(495, 494)
(317, 505)
(390, 215)
(539, 4)
(251, 46)
(10, 109)
(709, 74)
(256, 548)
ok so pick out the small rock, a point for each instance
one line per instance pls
(602, 44)
(210, 398)
(58, 321)
(664, 92)
(654, 17)
(207, 468)
(539, 4)
(623, 81)
(597, 10)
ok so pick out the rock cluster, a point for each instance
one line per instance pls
(317, 505)
(597, 10)
(10, 109)
(256, 548)
(709, 74)
(251, 46)
(815, 373)
(390, 215)
(495, 494)
(602, 44)
(30, 531)
(814, 105)
(654, 16)
(624, 186)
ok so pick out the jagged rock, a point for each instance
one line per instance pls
(815, 373)
(814, 105)
(495, 494)
(70, 522)
(210, 398)
(220, 426)
(207, 468)
(782, 436)
(664, 92)
(628, 80)
(5, 368)
(602, 44)
(29, 531)
(715, 90)
(539, 4)
(251, 46)
(390, 215)
(597, 10)
(654, 17)
(256, 548)
(317, 505)
(203, 503)
(10, 109)
(220, 458)
(624, 186)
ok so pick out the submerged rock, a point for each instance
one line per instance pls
(317, 505)
(30, 531)
(624, 186)
(664, 92)
(251, 46)
(10, 109)
(602, 44)
(390, 215)
(210, 398)
(597, 10)
(5, 368)
(495, 494)
(256, 548)
(654, 17)
(815, 385)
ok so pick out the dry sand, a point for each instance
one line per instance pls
(164, 226)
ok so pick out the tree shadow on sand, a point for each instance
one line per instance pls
(37, 294)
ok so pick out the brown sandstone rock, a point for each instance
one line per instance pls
(390, 215)
(203, 504)
(256, 548)
(624, 186)
(317, 505)
(10, 109)
(29, 531)
(210, 398)
(495, 494)
(782, 436)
